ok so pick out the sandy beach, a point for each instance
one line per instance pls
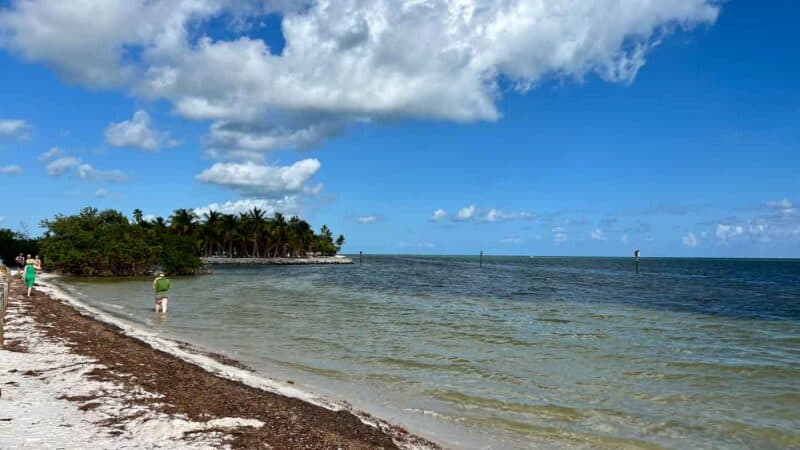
(70, 380)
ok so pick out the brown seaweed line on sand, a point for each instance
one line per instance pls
(187, 390)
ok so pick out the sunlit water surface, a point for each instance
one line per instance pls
(519, 353)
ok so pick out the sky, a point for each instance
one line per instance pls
(513, 127)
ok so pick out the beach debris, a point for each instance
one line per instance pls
(117, 387)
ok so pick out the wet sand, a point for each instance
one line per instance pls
(181, 389)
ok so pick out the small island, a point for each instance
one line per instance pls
(278, 261)
(106, 243)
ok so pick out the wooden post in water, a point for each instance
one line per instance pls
(481, 259)
(361, 257)
(636, 259)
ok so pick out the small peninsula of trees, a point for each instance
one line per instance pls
(106, 243)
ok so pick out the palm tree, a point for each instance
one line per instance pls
(256, 222)
(323, 242)
(300, 236)
(229, 225)
(268, 235)
(160, 224)
(279, 235)
(248, 234)
(183, 221)
(211, 231)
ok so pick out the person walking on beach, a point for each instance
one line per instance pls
(161, 285)
(23, 267)
(30, 275)
(20, 260)
(37, 263)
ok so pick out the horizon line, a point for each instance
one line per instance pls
(477, 255)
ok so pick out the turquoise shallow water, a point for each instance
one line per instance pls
(523, 352)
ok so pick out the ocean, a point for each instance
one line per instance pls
(519, 353)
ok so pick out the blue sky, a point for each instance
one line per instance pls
(670, 127)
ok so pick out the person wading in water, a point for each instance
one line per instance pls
(161, 286)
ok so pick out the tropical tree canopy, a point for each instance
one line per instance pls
(106, 243)
(253, 234)
(12, 243)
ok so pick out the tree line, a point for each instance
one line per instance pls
(12, 243)
(249, 234)
(107, 243)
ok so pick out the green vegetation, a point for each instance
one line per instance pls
(253, 234)
(13, 243)
(94, 243)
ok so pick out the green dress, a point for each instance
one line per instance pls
(30, 275)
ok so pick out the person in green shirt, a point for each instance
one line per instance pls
(161, 286)
(30, 275)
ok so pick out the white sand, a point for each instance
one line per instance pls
(33, 417)
(177, 349)
(150, 431)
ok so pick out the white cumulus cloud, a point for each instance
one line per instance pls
(137, 133)
(690, 240)
(782, 225)
(344, 61)
(54, 152)
(367, 219)
(780, 204)
(466, 213)
(60, 166)
(11, 170)
(72, 165)
(288, 205)
(13, 128)
(237, 137)
(598, 235)
(491, 215)
(727, 232)
(496, 215)
(258, 179)
(438, 215)
(776, 221)
(560, 235)
(88, 172)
